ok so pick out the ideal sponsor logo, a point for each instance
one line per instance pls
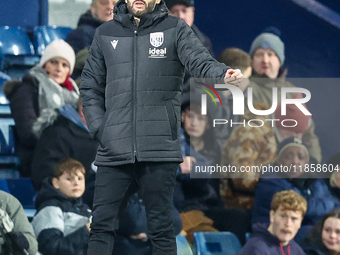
(157, 53)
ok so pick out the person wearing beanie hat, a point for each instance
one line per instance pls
(34, 100)
(298, 155)
(267, 52)
(59, 49)
(269, 41)
(289, 172)
(268, 56)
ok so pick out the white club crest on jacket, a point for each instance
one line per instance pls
(157, 39)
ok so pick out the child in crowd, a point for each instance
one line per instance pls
(62, 222)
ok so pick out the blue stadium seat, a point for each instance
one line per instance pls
(23, 13)
(3, 144)
(216, 243)
(9, 160)
(3, 100)
(183, 246)
(43, 35)
(248, 236)
(22, 189)
(4, 185)
(17, 54)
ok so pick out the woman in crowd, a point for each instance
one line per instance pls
(200, 207)
(46, 87)
(324, 238)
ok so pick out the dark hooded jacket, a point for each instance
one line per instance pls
(24, 112)
(82, 36)
(132, 82)
(59, 223)
(263, 242)
(315, 247)
(319, 198)
(66, 137)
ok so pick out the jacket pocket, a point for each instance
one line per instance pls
(172, 119)
(102, 127)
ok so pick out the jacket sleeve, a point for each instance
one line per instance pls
(319, 201)
(92, 88)
(195, 57)
(50, 148)
(254, 247)
(53, 242)
(79, 39)
(24, 102)
(21, 223)
(50, 229)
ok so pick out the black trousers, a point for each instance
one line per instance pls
(114, 186)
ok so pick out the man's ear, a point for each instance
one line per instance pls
(55, 183)
(271, 216)
(157, 1)
(93, 8)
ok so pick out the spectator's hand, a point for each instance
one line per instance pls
(141, 236)
(186, 165)
(233, 77)
(88, 225)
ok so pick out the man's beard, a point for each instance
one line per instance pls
(138, 13)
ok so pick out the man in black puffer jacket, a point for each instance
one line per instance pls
(131, 93)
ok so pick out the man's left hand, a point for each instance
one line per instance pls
(233, 77)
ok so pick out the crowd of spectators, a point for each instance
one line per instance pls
(57, 152)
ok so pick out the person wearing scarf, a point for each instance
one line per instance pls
(45, 88)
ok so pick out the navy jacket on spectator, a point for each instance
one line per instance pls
(263, 242)
(66, 137)
(132, 222)
(60, 222)
(82, 36)
(194, 193)
(319, 199)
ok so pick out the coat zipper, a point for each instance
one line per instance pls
(134, 95)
